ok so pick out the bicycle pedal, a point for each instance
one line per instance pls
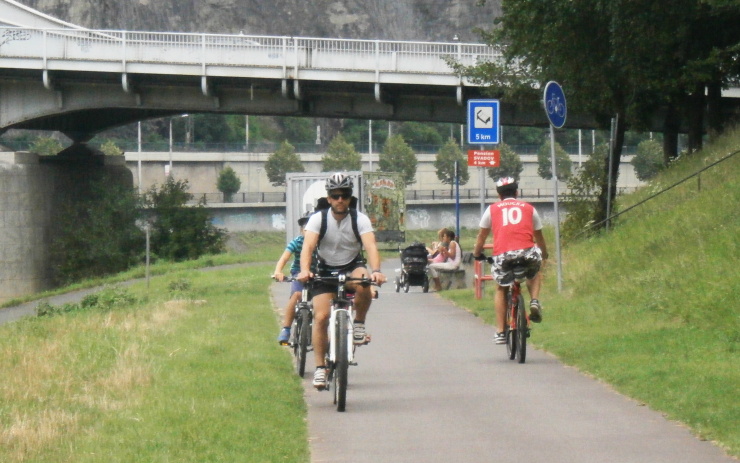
(354, 364)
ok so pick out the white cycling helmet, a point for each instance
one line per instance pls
(506, 184)
(339, 181)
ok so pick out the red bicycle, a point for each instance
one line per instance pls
(516, 320)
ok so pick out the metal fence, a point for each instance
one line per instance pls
(444, 195)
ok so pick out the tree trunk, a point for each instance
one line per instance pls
(670, 135)
(606, 194)
(696, 102)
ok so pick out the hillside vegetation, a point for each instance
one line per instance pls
(652, 306)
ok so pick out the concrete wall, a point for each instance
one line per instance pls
(33, 190)
(202, 169)
(25, 211)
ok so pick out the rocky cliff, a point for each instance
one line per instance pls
(423, 20)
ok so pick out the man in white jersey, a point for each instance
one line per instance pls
(339, 249)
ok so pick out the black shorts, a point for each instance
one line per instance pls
(330, 271)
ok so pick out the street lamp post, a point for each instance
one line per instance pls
(169, 171)
(170, 163)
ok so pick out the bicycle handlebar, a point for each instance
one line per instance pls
(483, 257)
(363, 281)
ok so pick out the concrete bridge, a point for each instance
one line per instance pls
(57, 76)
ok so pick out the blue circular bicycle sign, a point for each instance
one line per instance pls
(555, 104)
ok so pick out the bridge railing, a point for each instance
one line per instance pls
(288, 53)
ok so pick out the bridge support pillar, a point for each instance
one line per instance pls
(33, 190)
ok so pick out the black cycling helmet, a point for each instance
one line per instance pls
(339, 181)
(304, 219)
(507, 186)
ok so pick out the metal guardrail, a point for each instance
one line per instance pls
(697, 174)
(130, 51)
(411, 195)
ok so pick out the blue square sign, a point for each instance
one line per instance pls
(483, 122)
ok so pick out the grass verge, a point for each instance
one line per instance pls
(188, 371)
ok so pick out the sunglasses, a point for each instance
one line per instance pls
(340, 195)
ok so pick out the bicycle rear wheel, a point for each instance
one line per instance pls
(303, 339)
(342, 362)
(511, 334)
(521, 329)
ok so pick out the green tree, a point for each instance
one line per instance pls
(562, 162)
(181, 231)
(629, 59)
(418, 133)
(341, 156)
(397, 156)
(298, 129)
(510, 165)
(109, 148)
(228, 183)
(649, 160)
(281, 162)
(444, 163)
(96, 234)
(46, 146)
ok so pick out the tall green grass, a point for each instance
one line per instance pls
(651, 307)
(188, 370)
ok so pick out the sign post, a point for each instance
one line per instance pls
(554, 101)
(483, 129)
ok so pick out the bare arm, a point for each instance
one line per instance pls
(310, 241)
(539, 239)
(373, 256)
(278, 273)
(480, 240)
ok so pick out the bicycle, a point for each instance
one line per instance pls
(300, 331)
(516, 321)
(341, 351)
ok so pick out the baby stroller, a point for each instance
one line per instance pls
(413, 271)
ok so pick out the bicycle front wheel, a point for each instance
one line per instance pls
(521, 329)
(342, 362)
(303, 339)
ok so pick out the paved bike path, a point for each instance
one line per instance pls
(432, 387)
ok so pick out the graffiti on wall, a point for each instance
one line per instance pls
(278, 221)
(418, 218)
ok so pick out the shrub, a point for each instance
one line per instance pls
(96, 233)
(582, 201)
(46, 146)
(181, 232)
(228, 183)
(649, 160)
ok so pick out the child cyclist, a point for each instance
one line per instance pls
(296, 287)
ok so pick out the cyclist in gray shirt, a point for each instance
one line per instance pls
(339, 250)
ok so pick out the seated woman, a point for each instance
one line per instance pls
(436, 254)
(452, 254)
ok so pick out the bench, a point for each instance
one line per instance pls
(452, 279)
